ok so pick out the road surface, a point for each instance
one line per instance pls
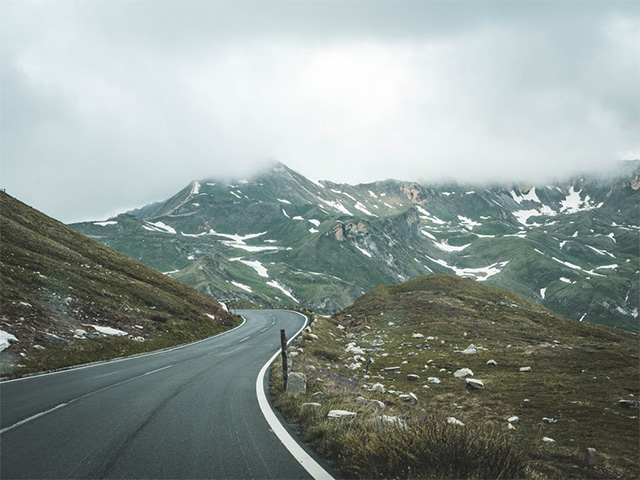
(191, 412)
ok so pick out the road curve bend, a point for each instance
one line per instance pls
(189, 412)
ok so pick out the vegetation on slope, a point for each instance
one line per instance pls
(578, 373)
(55, 281)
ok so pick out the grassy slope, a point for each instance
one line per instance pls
(579, 372)
(56, 280)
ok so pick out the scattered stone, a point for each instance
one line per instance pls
(297, 382)
(629, 403)
(454, 421)
(463, 372)
(549, 420)
(38, 347)
(470, 350)
(590, 456)
(525, 369)
(412, 377)
(318, 394)
(492, 362)
(510, 426)
(360, 399)
(311, 336)
(410, 397)
(52, 338)
(417, 335)
(390, 369)
(353, 348)
(474, 383)
(434, 380)
(311, 404)
(340, 414)
(79, 333)
(548, 440)
(513, 419)
(392, 420)
(377, 387)
(354, 366)
(426, 386)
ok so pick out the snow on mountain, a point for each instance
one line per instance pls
(552, 243)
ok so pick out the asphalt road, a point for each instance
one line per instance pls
(191, 412)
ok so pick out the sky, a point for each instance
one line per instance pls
(107, 105)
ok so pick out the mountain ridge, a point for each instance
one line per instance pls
(280, 239)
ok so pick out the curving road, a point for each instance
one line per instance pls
(189, 412)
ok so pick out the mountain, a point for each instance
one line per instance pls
(67, 299)
(281, 239)
(416, 358)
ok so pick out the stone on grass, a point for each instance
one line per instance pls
(392, 420)
(549, 420)
(590, 456)
(492, 362)
(297, 382)
(79, 333)
(548, 440)
(433, 380)
(311, 404)
(377, 387)
(417, 335)
(510, 426)
(513, 419)
(463, 372)
(470, 350)
(412, 377)
(525, 369)
(340, 414)
(454, 421)
(474, 383)
(629, 403)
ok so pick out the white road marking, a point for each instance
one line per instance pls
(245, 338)
(41, 414)
(309, 464)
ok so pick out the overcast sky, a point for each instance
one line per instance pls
(107, 105)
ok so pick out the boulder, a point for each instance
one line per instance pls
(377, 387)
(463, 372)
(433, 380)
(525, 369)
(417, 335)
(454, 421)
(52, 338)
(470, 350)
(590, 456)
(412, 377)
(474, 383)
(513, 419)
(297, 382)
(492, 362)
(340, 414)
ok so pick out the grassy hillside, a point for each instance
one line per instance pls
(578, 373)
(55, 281)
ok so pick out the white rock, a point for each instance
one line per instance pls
(340, 414)
(513, 419)
(474, 383)
(354, 366)
(549, 420)
(470, 350)
(426, 386)
(377, 387)
(392, 420)
(417, 335)
(311, 404)
(433, 380)
(431, 338)
(79, 333)
(525, 369)
(492, 362)
(454, 421)
(548, 440)
(412, 377)
(510, 426)
(463, 372)
(353, 348)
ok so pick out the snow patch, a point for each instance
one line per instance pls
(315, 222)
(542, 292)
(338, 206)
(450, 248)
(365, 252)
(109, 331)
(282, 200)
(240, 285)
(468, 223)
(158, 227)
(362, 208)
(105, 224)
(5, 339)
(281, 287)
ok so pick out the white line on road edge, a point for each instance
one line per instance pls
(309, 464)
(41, 414)
(122, 359)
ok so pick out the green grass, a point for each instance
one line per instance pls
(54, 279)
(579, 372)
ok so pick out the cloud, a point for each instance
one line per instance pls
(110, 105)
